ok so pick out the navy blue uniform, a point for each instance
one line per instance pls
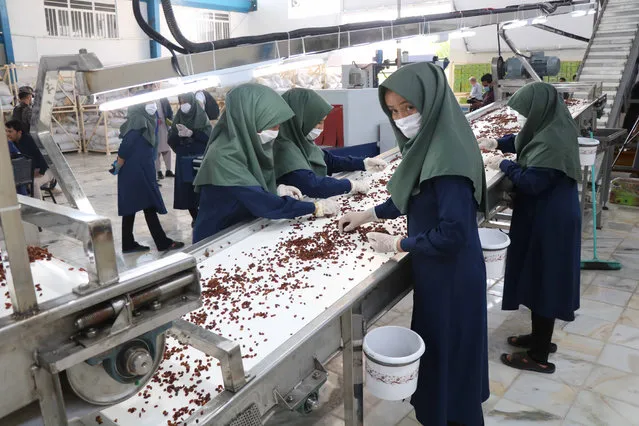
(137, 187)
(316, 186)
(449, 307)
(186, 149)
(224, 206)
(543, 260)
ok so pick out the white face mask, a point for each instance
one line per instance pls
(201, 99)
(185, 108)
(410, 125)
(521, 120)
(314, 134)
(267, 136)
(151, 109)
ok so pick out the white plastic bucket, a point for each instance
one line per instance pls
(587, 151)
(392, 362)
(494, 244)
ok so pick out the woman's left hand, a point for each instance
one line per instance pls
(183, 131)
(375, 165)
(384, 243)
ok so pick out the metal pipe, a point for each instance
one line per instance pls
(561, 33)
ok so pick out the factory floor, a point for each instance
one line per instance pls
(597, 378)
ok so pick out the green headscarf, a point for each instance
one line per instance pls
(235, 155)
(292, 150)
(445, 144)
(138, 119)
(196, 119)
(549, 137)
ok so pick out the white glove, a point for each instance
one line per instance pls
(384, 243)
(183, 131)
(359, 187)
(289, 191)
(489, 144)
(326, 208)
(375, 165)
(494, 162)
(352, 220)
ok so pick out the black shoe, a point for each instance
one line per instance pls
(169, 173)
(161, 176)
(175, 245)
(137, 248)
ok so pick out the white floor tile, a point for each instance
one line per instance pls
(607, 295)
(600, 310)
(620, 357)
(626, 336)
(591, 409)
(615, 384)
(510, 413)
(544, 394)
(579, 347)
(594, 328)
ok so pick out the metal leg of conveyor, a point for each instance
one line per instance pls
(353, 338)
(50, 397)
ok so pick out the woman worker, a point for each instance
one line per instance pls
(237, 177)
(188, 137)
(137, 186)
(543, 260)
(304, 165)
(439, 185)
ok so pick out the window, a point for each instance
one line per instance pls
(81, 18)
(213, 26)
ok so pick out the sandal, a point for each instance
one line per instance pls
(523, 361)
(175, 245)
(525, 342)
(137, 248)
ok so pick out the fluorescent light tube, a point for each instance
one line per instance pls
(463, 33)
(539, 20)
(183, 87)
(283, 67)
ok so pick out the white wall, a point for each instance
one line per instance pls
(30, 39)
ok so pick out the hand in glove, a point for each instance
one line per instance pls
(359, 187)
(488, 144)
(375, 165)
(183, 131)
(353, 220)
(116, 166)
(326, 208)
(384, 243)
(289, 191)
(494, 162)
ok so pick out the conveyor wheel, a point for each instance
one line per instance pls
(119, 374)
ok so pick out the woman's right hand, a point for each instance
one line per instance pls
(488, 144)
(353, 220)
(326, 208)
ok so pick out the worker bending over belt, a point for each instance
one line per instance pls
(188, 137)
(439, 185)
(237, 177)
(304, 165)
(137, 186)
(543, 260)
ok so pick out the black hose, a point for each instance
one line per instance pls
(154, 35)
(191, 47)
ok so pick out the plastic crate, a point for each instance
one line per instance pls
(625, 192)
(22, 173)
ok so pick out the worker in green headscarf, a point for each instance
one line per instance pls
(543, 260)
(237, 177)
(304, 165)
(188, 137)
(439, 185)
(137, 187)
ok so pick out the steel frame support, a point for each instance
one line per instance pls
(6, 32)
(353, 330)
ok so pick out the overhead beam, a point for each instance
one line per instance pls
(561, 33)
(243, 6)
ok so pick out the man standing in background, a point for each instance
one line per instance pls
(476, 94)
(165, 115)
(22, 112)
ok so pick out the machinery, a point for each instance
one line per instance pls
(96, 346)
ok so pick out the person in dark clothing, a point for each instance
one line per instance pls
(22, 111)
(164, 117)
(188, 137)
(543, 260)
(439, 185)
(209, 104)
(137, 187)
(27, 147)
(489, 94)
(302, 164)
